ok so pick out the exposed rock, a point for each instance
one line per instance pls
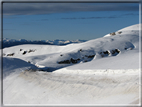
(80, 50)
(104, 53)
(64, 62)
(119, 32)
(91, 56)
(115, 52)
(74, 61)
(31, 51)
(112, 34)
(24, 52)
(10, 54)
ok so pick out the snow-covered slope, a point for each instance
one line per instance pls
(106, 49)
(100, 71)
(127, 30)
(11, 65)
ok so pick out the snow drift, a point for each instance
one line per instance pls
(11, 65)
(100, 71)
(106, 49)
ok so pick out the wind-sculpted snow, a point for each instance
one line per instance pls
(100, 71)
(72, 89)
(51, 57)
(11, 65)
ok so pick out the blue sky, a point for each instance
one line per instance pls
(68, 21)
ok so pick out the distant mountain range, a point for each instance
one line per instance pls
(13, 42)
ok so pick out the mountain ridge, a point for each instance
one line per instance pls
(51, 57)
(100, 71)
(13, 42)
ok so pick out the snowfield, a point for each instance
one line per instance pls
(13, 42)
(47, 88)
(104, 71)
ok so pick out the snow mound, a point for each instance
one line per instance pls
(11, 65)
(134, 29)
(51, 57)
(96, 72)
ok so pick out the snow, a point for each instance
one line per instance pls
(130, 61)
(11, 65)
(100, 71)
(133, 29)
(13, 42)
(48, 88)
(91, 51)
